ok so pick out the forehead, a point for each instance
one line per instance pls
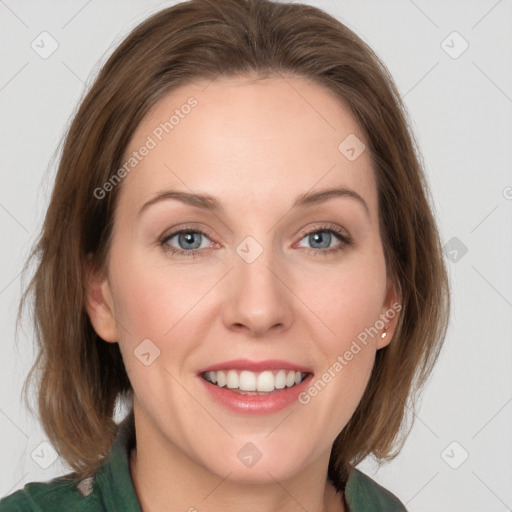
(247, 140)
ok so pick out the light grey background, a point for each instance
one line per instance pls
(461, 112)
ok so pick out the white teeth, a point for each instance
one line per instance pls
(212, 376)
(247, 381)
(232, 379)
(266, 381)
(280, 381)
(220, 378)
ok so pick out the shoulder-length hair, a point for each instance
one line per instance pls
(79, 376)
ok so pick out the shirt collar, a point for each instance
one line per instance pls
(114, 477)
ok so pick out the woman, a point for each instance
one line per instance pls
(240, 246)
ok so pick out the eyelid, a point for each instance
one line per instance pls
(302, 233)
(186, 228)
(342, 234)
(327, 227)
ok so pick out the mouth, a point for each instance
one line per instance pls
(248, 387)
(246, 382)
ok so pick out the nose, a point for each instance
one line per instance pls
(257, 298)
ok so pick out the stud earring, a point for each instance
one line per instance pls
(384, 334)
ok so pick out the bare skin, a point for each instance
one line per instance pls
(255, 146)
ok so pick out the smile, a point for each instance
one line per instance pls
(254, 383)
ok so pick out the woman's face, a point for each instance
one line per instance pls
(262, 273)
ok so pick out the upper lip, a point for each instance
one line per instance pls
(256, 366)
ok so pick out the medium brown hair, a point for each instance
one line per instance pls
(79, 376)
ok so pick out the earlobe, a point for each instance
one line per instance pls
(100, 306)
(384, 338)
(392, 307)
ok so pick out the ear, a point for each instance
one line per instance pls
(99, 304)
(390, 314)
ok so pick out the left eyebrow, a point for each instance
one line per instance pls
(313, 198)
(210, 203)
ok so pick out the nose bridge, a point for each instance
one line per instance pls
(258, 299)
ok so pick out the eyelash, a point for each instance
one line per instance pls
(345, 241)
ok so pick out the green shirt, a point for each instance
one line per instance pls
(111, 489)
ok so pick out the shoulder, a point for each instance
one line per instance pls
(62, 493)
(364, 494)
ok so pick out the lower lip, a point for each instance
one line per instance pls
(256, 404)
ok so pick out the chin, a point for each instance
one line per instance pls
(249, 464)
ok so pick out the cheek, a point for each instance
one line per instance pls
(144, 309)
(151, 299)
(351, 298)
(153, 303)
(350, 305)
(166, 304)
